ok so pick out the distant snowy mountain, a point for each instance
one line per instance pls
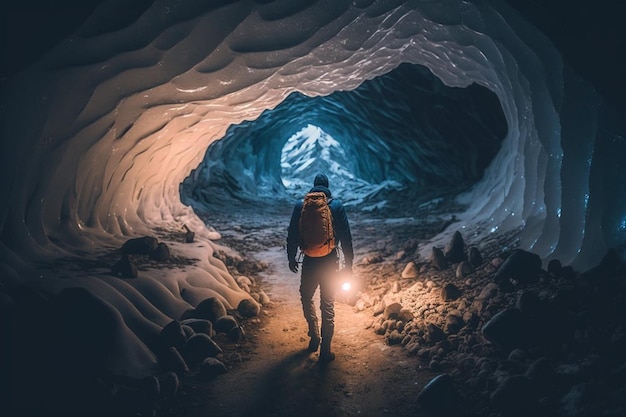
(312, 151)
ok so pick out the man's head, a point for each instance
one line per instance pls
(321, 179)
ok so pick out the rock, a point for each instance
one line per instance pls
(410, 271)
(124, 268)
(139, 246)
(475, 258)
(455, 250)
(172, 360)
(161, 253)
(244, 281)
(554, 267)
(199, 347)
(189, 235)
(438, 259)
(454, 323)
(372, 259)
(211, 367)
(188, 331)
(248, 308)
(392, 311)
(463, 269)
(405, 315)
(434, 333)
(173, 334)
(522, 266)
(507, 329)
(450, 292)
(440, 397)
(236, 334)
(264, 299)
(225, 323)
(210, 309)
(393, 338)
(199, 326)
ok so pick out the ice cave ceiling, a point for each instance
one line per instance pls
(100, 132)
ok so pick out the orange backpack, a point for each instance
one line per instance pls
(317, 236)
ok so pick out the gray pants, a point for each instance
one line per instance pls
(322, 273)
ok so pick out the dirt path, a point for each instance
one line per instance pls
(280, 378)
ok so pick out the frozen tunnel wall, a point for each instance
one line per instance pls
(106, 126)
(404, 126)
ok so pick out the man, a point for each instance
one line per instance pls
(320, 270)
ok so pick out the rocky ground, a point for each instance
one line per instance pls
(480, 329)
(475, 329)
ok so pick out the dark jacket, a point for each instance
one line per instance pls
(343, 236)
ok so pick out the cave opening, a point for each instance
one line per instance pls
(400, 135)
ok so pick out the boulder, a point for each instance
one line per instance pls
(438, 259)
(161, 253)
(248, 308)
(440, 397)
(124, 268)
(139, 246)
(410, 270)
(522, 266)
(507, 329)
(455, 249)
(210, 309)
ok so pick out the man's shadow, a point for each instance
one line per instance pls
(297, 385)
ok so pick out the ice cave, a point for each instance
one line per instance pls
(142, 118)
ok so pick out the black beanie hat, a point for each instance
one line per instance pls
(321, 179)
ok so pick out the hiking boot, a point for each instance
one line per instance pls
(326, 356)
(314, 343)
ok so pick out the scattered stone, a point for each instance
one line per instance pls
(264, 299)
(438, 259)
(211, 367)
(124, 268)
(173, 334)
(161, 253)
(440, 397)
(394, 337)
(475, 258)
(199, 347)
(463, 269)
(172, 360)
(554, 267)
(189, 235)
(199, 326)
(434, 333)
(454, 323)
(225, 323)
(236, 334)
(210, 309)
(139, 246)
(522, 266)
(455, 250)
(372, 259)
(450, 292)
(392, 311)
(248, 308)
(507, 329)
(410, 271)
